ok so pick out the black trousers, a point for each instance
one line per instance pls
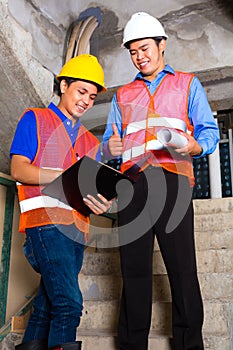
(159, 203)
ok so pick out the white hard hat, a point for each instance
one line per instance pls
(142, 25)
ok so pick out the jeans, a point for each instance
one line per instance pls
(58, 304)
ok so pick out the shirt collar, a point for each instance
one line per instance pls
(167, 69)
(59, 113)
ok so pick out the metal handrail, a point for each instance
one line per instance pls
(6, 245)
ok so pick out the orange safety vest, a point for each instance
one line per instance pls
(54, 151)
(143, 115)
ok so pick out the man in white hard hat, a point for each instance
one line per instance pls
(161, 200)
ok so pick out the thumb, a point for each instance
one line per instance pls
(115, 130)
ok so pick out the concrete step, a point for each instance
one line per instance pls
(101, 261)
(107, 262)
(104, 315)
(208, 261)
(211, 232)
(211, 240)
(211, 216)
(214, 286)
(212, 222)
(212, 206)
(105, 287)
(217, 342)
(100, 281)
(214, 240)
(217, 236)
(102, 340)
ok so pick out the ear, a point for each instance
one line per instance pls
(162, 45)
(63, 86)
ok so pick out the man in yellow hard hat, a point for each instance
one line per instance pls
(47, 141)
(158, 99)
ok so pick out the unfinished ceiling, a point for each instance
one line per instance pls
(200, 40)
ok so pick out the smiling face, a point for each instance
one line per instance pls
(147, 56)
(76, 98)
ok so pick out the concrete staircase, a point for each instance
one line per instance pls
(101, 284)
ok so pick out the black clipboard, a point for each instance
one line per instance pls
(86, 176)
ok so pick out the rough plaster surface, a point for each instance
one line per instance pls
(198, 32)
(34, 32)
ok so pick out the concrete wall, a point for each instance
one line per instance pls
(33, 38)
(200, 32)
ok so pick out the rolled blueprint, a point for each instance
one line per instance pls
(171, 137)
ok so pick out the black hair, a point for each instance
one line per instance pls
(157, 39)
(69, 81)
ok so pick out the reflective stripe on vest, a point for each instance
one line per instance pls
(157, 121)
(41, 202)
(136, 151)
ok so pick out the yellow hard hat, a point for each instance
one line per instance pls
(84, 67)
